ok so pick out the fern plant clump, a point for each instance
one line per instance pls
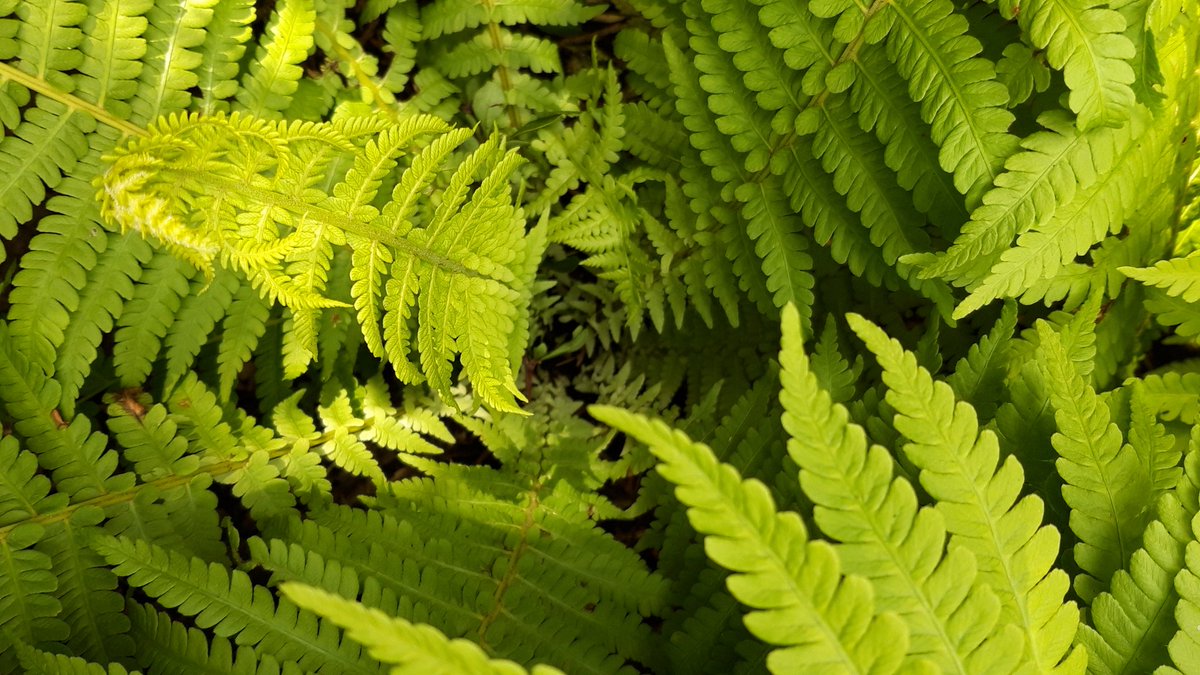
(562, 336)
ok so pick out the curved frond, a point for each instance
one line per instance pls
(463, 271)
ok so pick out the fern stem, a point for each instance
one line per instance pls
(510, 572)
(364, 79)
(33, 83)
(328, 217)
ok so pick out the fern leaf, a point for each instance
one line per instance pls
(195, 323)
(49, 38)
(883, 535)
(275, 70)
(168, 647)
(1177, 277)
(100, 303)
(1085, 40)
(978, 378)
(958, 464)
(147, 318)
(244, 324)
(230, 604)
(1105, 487)
(221, 53)
(452, 16)
(462, 265)
(1036, 181)
(35, 156)
(173, 34)
(413, 648)
(1134, 621)
(37, 662)
(343, 448)
(795, 588)
(1182, 317)
(880, 96)
(29, 610)
(1122, 162)
(1173, 395)
(959, 95)
(1149, 440)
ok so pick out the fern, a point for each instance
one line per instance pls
(471, 251)
(1086, 41)
(223, 221)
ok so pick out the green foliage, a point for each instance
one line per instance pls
(307, 304)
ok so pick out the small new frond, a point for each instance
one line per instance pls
(800, 600)
(413, 648)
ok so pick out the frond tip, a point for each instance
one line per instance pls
(817, 618)
(238, 192)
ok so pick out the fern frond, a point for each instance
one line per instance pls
(1177, 277)
(883, 535)
(174, 33)
(147, 318)
(38, 662)
(800, 599)
(959, 95)
(452, 16)
(274, 72)
(414, 648)
(230, 604)
(29, 611)
(168, 647)
(1121, 161)
(224, 45)
(1155, 449)
(101, 302)
(978, 377)
(1085, 40)
(466, 269)
(1182, 317)
(1036, 181)
(1134, 621)
(36, 155)
(979, 501)
(1104, 486)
